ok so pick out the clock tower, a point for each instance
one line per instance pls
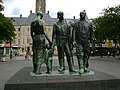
(42, 4)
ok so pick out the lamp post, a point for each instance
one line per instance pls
(10, 49)
(11, 40)
(101, 51)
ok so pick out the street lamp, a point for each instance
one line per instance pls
(11, 40)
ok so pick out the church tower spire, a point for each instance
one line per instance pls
(42, 4)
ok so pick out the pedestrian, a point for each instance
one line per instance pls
(4, 58)
(27, 56)
(11, 55)
(108, 53)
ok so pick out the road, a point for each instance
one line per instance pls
(8, 68)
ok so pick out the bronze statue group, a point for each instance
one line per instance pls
(81, 37)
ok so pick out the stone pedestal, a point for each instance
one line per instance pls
(99, 81)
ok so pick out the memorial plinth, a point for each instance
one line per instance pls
(99, 81)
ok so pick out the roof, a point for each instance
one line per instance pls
(46, 17)
(69, 21)
(27, 20)
(55, 19)
(17, 20)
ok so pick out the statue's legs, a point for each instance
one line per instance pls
(69, 58)
(38, 58)
(37, 64)
(86, 49)
(49, 60)
(49, 65)
(34, 67)
(38, 53)
(79, 50)
(34, 59)
(87, 64)
(61, 58)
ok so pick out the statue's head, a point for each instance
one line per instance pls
(39, 13)
(60, 15)
(82, 14)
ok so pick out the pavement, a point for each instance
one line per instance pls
(109, 65)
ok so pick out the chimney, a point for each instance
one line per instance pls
(48, 12)
(73, 17)
(20, 15)
(30, 11)
(11, 18)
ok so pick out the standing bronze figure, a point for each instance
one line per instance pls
(38, 35)
(83, 35)
(61, 36)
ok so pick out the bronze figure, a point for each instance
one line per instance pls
(61, 38)
(83, 35)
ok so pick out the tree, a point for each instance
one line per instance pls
(108, 25)
(1, 6)
(7, 30)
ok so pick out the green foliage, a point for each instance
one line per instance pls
(1, 6)
(108, 25)
(7, 30)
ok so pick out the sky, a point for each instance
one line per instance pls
(69, 7)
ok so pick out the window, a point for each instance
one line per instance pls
(49, 29)
(18, 41)
(19, 29)
(18, 34)
(28, 29)
(13, 41)
(28, 40)
(23, 41)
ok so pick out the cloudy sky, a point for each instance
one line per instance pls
(69, 7)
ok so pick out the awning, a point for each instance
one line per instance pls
(7, 45)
